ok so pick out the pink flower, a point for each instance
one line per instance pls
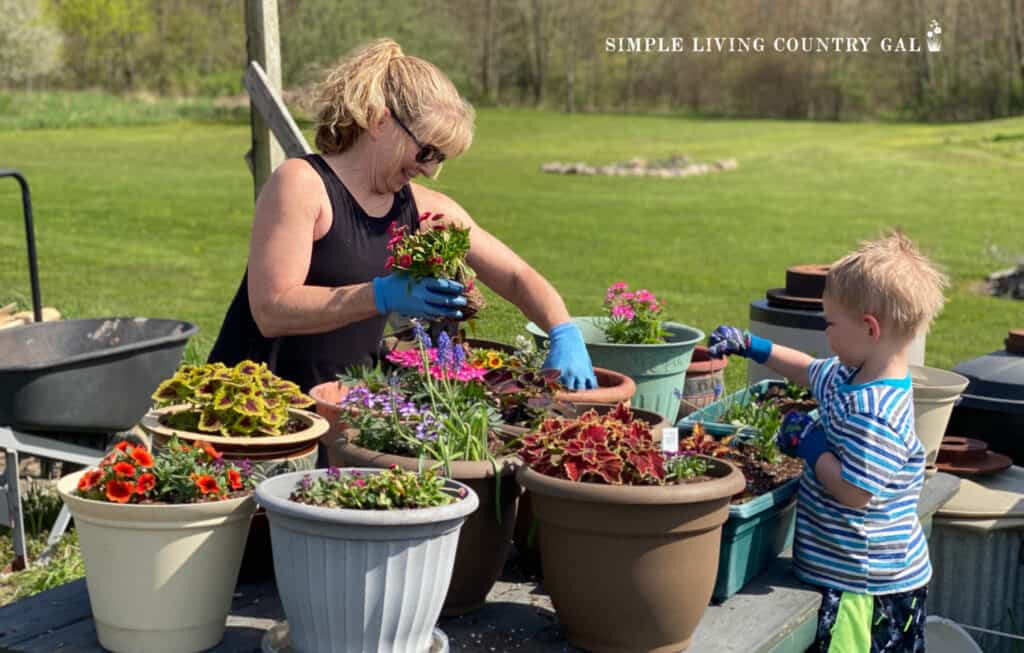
(645, 295)
(438, 216)
(627, 296)
(405, 260)
(390, 263)
(623, 312)
(437, 260)
(618, 285)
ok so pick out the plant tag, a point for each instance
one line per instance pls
(670, 439)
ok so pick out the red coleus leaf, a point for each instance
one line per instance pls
(595, 433)
(621, 413)
(573, 469)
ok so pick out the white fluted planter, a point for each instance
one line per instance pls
(361, 580)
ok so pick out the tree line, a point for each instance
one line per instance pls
(571, 55)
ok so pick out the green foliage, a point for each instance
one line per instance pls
(389, 489)
(30, 42)
(63, 566)
(245, 400)
(40, 505)
(684, 467)
(758, 422)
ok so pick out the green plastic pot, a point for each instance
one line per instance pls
(658, 370)
(754, 535)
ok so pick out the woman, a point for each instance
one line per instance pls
(316, 295)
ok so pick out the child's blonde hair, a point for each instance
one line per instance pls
(890, 279)
(379, 76)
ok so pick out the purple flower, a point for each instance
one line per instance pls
(459, 356)
(718, 389)
(444, 350)
(306, 482)
(333, 473)
(246, 467)
(421, 335)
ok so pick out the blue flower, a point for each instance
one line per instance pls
(421, 334)
(718, 389)
(444, 350)
(459, 356)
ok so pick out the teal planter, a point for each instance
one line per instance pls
(658, 370)
(753, 536)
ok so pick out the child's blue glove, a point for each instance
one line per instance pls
(802, 436)
(728, 340)
(569, 354)
(428, 298)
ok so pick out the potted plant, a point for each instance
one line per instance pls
(629, 535)
(436, 413)
(161, 538)
(246, 411)
(436, 250)
(632, 338)
(761, 518)
(363, 557)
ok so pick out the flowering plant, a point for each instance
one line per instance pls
(386, 420)
(389, 489)
(178, 474)
(245, 400)
(633, 318)
(615, 448)
(436, 250)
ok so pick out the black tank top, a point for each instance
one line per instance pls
(353, 251)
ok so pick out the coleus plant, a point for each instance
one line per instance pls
(436, 250)
(615, 448)
(524, 396)
(245, 400)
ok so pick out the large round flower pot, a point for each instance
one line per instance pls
(361, 580)
(631, 568)
(659, 371)
(612, 388)
(935, 392)
(484, 541)
(160, 577)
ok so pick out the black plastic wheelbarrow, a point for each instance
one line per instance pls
(84, 376)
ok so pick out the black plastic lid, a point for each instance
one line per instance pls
(997, 382)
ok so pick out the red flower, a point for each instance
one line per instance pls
(390, 263)
(439, 227)
(208, 448)
(120, 491)
(437, 216)
(235, 479)
(124, 446)
(123, 469)
(405, 260)
(142, 457)
(437, 260)
(207, 484)
(89, 480)
(145, 483)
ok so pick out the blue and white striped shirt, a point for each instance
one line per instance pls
(880, 548)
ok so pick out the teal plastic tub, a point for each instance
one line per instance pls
(712, 413)
(754, 535)
(658, 370)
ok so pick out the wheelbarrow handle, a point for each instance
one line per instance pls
(30, 238)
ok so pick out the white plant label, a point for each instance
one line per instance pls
(670, 439)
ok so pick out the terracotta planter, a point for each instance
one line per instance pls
(160, 577)
(328, 396)
(527, 533)
(612, 387)
(703, 377)
(484, 542)
(631, 569)
(361, 580)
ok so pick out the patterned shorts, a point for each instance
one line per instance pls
(861, 623)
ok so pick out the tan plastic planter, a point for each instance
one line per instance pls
(160, 577)
(483, 542)
(936, 391)
(631, 569)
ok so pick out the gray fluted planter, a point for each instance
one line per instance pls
(361, 580)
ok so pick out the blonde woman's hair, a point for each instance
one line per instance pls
(379, 77)
(890, 279)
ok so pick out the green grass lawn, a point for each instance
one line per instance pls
(154, 220)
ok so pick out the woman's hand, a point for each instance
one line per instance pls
(569, 354)
(428, 298)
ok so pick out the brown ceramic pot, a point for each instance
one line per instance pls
(527, 536)
(702, 377)
(483, 542)
(612, 387)
(631, 568)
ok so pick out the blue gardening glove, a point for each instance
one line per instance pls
(802, 436)
(569, 354)
(428, 298)
(728, 340)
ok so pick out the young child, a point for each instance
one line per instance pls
(857, 533)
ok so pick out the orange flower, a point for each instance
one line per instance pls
(142, 457)
(208, 448)
(89, 479)
(207, 484)
(235, 479)
(120, 491)
(124, 446)
(145, 483)
(124, 469)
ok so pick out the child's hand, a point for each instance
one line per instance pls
(727, 341)
(801, 436)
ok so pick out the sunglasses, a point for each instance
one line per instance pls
(427, 152)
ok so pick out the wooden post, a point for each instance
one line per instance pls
(263, 45)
